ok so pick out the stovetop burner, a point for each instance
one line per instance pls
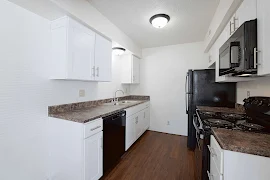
(219, 123)
(250, 127)
(233, 117)
(208, 113)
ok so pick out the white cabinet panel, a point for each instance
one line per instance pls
(136, 70)
(81, 48)
(94, 157)
(78, 53)
(130, 131)
(214, 174)
(263, 37)
(103, 59)
(247, 11)
(146, 118)
(130, 69)
(137, 122)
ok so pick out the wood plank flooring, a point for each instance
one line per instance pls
(155, 156)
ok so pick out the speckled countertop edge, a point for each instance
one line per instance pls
(89, 113)
(239, 141)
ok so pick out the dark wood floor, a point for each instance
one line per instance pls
(155, 156)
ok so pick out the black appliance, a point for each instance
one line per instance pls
(258, 108)
(205, 120)
(114, 130)
(238, 55)
(201, 90)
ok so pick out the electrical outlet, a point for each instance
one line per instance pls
(81, 93)
(248, 94)
(168, 123)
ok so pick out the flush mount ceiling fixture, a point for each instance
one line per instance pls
(159, 20)
(118, 51)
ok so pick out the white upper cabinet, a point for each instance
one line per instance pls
(130, 69)
(263, 37)
(78, 53)
(103, 59)
(247, 11)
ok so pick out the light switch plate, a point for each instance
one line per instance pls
(81, 93)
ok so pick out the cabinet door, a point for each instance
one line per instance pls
(247, 11)
(130, 131)
(147, 118)
(263, 37)
(81, 52)
(94, 157)
(103, 59)
(214, 173)
(126, 70)
(136, 70)
(138, 124)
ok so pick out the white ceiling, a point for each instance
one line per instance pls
(189, 22)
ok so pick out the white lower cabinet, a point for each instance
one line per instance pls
(76, 150)
(231, 165)
(94, 156)
(130, 131)
(137, 122)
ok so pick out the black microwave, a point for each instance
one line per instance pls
(238, 56)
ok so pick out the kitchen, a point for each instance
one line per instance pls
(69, 69)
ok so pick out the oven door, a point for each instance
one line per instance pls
(198, 153)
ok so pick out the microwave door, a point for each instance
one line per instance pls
(235, 54)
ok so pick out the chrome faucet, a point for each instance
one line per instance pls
(116, 99)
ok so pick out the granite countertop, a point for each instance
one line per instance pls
(244, 142)
(87, 111)
(237, 110)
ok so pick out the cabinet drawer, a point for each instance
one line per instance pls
(132, 110)
(93, 127)
(216, 153)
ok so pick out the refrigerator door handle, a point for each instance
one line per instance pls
(186, 98)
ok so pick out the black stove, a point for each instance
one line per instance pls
(229, 121)
(256, 119)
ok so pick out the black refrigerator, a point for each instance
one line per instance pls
(202, 90)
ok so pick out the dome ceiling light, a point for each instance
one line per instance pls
(118, 51)
(159, 20)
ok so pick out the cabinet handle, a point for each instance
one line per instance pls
(234, 23)
(97, 71)
(94, 71)
(144, 115)
(230, 27)
(211, 151)
(255, 58)
(95, 128)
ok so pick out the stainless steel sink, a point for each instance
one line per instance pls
(126, 102)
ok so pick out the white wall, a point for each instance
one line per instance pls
(26, 92)
(259, 87)
(163, 73)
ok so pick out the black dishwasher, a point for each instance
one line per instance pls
(114, 130)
